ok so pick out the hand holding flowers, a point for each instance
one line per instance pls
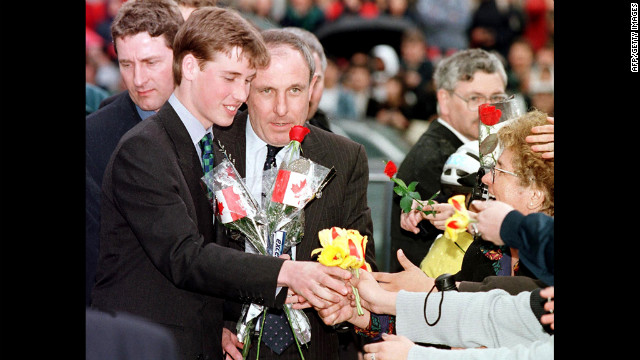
(408, 193)
(345, 249)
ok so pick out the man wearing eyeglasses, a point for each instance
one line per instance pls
(464, 81)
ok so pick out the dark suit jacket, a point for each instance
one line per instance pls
(104, 128)
(343, 203)
(160, 257)
(424, 164)
(123, 336)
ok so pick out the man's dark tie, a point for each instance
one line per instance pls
(277, 333)
(207, 158)
(271, 156)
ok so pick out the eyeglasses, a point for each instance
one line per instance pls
(493, 173)
(476, 100)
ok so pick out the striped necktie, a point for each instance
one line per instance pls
(207, 158)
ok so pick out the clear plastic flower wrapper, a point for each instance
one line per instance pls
(492, 117)
(275, 226)
(235, 207)
(290, 188)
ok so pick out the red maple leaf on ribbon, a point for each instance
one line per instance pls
(220, 208)
(297, 188)
(489, 115)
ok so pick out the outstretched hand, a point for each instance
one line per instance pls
(393, 347)
(412, 278)
(489, 218)
(344, 310)
(372, 296)
(544, 136)
(319, 285)
(547, 319)
(409, 221)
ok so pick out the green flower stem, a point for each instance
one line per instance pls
(264, 317)
(356, 272)
(461, 249)
(286, 310)
(245, 350)
(426, 212)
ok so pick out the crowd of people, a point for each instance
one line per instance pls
(391, 83)
(176, 87)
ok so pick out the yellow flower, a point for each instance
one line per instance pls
(346, 249)
(343, 248)
(458, 222)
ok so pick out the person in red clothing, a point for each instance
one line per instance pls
(338, 8)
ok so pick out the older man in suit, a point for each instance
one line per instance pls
(143, 33)
(161, 255)
(278, 100)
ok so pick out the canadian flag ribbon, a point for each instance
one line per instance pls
(291, 188)
(230, 205)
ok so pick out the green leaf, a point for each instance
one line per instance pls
(400, 182)
(488, 144)
(400, 191)
(412, 186)
(415, 195)
(433, 197)
(405, 204)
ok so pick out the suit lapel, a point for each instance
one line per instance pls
(231, 142)
(190, 166)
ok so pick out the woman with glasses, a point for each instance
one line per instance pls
(522, 178)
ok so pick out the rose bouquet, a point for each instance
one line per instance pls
(274, 226)
(346, 249)
(290, 188)
(407, 193)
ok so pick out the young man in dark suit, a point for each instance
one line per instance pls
(161, 255)
(278, 100)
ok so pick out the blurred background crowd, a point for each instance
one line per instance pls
(381, 53)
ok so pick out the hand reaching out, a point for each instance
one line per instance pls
(409, 221)
(393, 347)
(547, 319)
(320, 285)
(544, 135)
(489, 219)
(412, 278)
(344, 310)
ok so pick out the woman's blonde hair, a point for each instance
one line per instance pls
(532, 169)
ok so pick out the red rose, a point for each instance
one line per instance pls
(390, 169)
(297, 133)
(489, 115)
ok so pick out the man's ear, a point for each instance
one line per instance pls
(312, 85)
(444, 98)
(189, 67)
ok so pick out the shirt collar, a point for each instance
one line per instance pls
(144, 113)
(454, 131)
(194, 127)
